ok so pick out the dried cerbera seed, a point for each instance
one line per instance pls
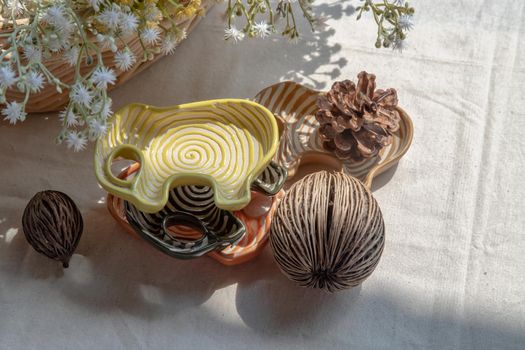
(53, 225)
(328, 232)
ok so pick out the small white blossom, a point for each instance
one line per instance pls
(76, 140)
(124, 60)
(7, 77)
(16, 7)
(150, 36)
(35, 81)
(168, 45)
(128, 23)
(262, 29)
(102, 108)
(80, 95)
(14, 112)
(97, 128)
(68, 118)
(71, 56)
(110, 17)
(103, 76)
(152, 14)
(233, 33)
(32, 53)
(54, 15)
(405, 22)
(180, 35)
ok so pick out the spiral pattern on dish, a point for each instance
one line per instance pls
(220, 143)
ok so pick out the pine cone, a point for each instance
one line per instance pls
(357, 121)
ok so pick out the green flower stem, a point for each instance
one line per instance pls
(307, 15)
(270, 11)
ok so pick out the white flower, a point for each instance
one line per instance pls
(233, 33)
(54, 15)
(152, 14)
(71, 56)
(180, 35)
(16, 7)
(168, 45)
(14, 112)
(32, 53)
(7, 77)
(110, 17)
(35, 81)
(150, 36)
(97, 128)
(65, 28)
(405, 22)
(96, 4)
(262, 29)
(68, 118)
(103, 108)
(80, 95)
(124, 60)
(128, 23)
(76, 140)
(103, 76)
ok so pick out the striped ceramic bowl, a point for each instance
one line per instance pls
(186, 240)
(294, 105)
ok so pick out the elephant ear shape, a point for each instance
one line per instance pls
(224, 144)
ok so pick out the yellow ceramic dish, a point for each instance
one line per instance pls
(224, 144)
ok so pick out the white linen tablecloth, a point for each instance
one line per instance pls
(452, 275)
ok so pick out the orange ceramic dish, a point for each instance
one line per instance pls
(256, 216)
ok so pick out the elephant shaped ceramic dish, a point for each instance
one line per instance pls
(224, 144)
(294, 105)
(201, 227)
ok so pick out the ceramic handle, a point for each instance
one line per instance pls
(183, 249)
(271, 179)
(126, 152)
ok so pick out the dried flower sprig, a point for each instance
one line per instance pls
(393, 19)
(33, 31)
(251, 10)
